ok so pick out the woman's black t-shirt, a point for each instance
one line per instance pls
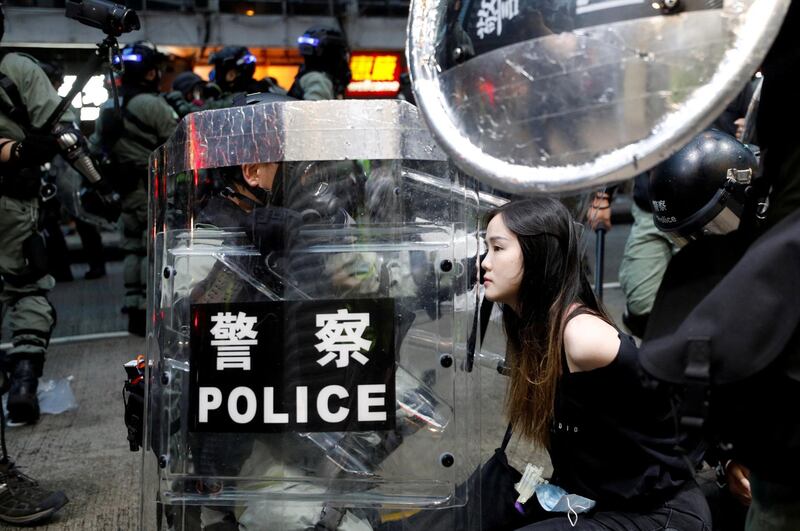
(613, 439)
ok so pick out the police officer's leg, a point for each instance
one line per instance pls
(57, 250)
(134, 225)
(93, 248)
(645, 259)
(30, 315)
(31, 319)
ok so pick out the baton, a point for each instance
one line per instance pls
(599, 257)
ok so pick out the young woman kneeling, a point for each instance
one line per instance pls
(575, 385)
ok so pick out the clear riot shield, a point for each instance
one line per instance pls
(306, 345)
(536, 96)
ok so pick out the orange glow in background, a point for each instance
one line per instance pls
(375, 74)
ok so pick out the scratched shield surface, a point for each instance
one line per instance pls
(552, 95)
(307, 345)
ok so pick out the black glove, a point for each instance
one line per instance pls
(36, 150)
(102, 200)
(212, 91)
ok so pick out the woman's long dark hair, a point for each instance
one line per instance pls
(553, 279)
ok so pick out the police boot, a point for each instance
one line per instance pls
(23, 404)
(137, 322)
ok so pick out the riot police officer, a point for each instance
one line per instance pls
(26, 101)
(125, 140)
(326, 71)
(234, 67)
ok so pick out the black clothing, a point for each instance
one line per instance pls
(641, 192)
(56, 244)
(691, 275)
(263, 85)
(736, 109)
(778, 113)
(613, 439)
(92, 244)
(225, 214)
(752, 311)
(751, 321)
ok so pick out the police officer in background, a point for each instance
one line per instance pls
(66, 181)
(125, 141)
(191, 87)
(326, 71)
(234, 67)
(26, 101)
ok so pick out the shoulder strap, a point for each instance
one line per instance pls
(506, 438)
(482, 316)
(15, 110)
(694, 407)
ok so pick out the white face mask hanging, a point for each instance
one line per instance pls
(556, 500)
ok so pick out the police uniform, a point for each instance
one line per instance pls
(31, 317)
(326, 71)
(644, 261)
(148, 121)
(315, 86)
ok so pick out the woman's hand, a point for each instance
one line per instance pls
(598, 216)
(738, 477)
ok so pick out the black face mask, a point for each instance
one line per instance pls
(263, 196)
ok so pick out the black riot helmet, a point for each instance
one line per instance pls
(238, 59)
(190, 85)
(138, 59)
(702, 188)
(325, 49)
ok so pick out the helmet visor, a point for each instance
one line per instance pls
(726, 221)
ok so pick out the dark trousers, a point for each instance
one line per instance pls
(92, 244)
(686, 511)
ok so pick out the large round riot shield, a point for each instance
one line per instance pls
(310, 301)
(554, 95)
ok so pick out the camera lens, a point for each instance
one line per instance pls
(113, 19)
(126, 19)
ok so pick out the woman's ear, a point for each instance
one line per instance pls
(250, 173)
